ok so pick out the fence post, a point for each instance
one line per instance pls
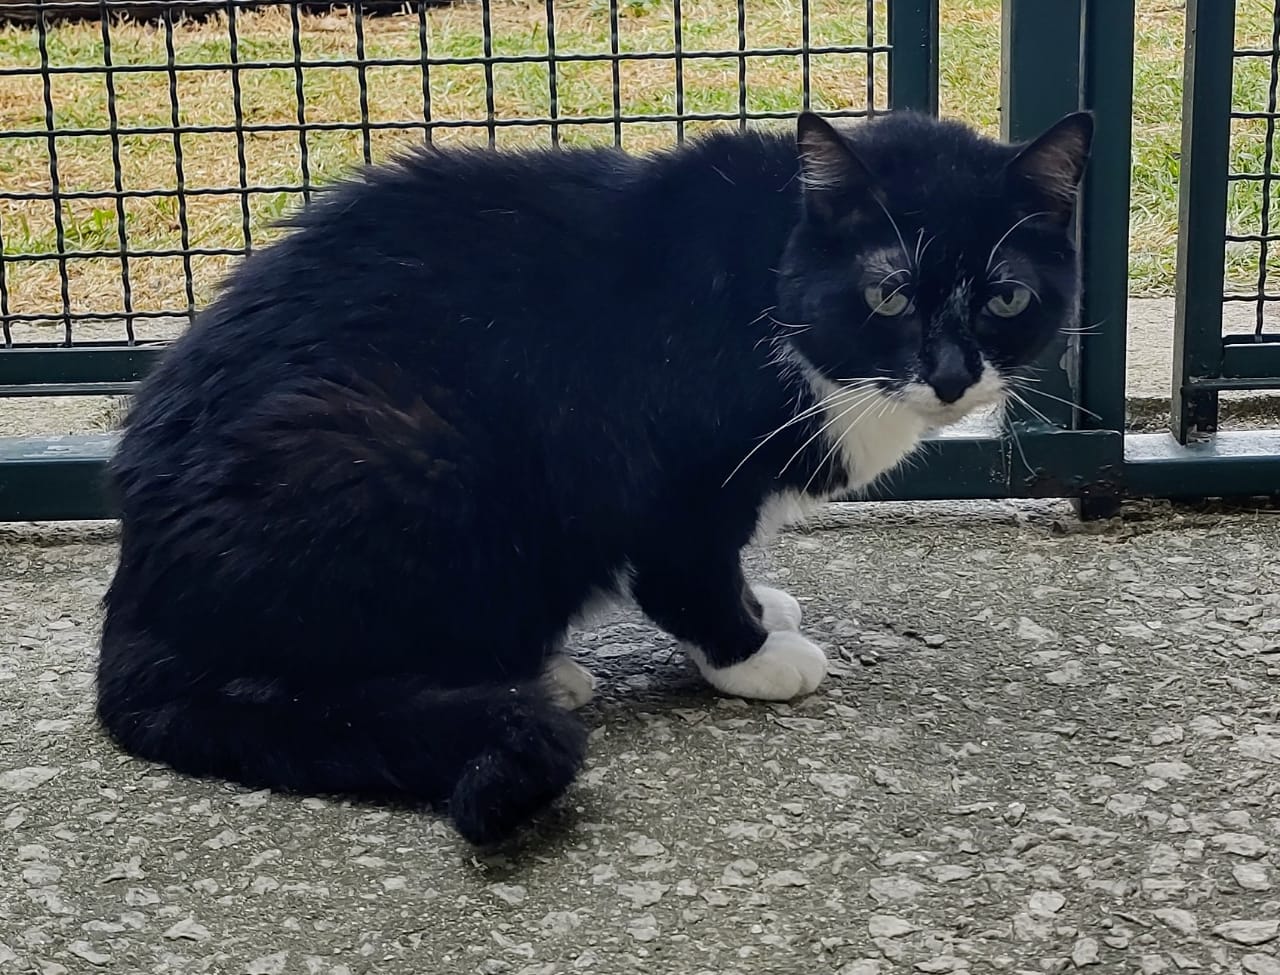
(1040, 83)
(1202, 213)
(1107, 68)
(913, 62)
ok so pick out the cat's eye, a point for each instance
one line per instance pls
(889, 302)
(1010, 302)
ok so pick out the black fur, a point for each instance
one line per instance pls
(364, 494)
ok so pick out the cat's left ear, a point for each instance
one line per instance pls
(1053, 165)
(835, 180)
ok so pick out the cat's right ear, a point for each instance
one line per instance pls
(835, 180)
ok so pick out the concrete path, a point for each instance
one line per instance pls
(1044, 747)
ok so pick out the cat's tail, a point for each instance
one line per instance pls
(494, 756)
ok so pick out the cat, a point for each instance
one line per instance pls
(363, 496)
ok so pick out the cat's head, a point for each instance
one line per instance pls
(930, 260)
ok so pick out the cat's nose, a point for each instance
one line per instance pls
(950, 384)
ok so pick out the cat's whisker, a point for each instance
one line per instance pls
(782, 324)
(835, 398)
(1021, 401)
(992, 272)
(763, 315)
(1093, 329)
(884, 301)
(1017, 441)
(837, 440)
(1021, 284)
(868, 396)
(894, 224)
(901, 270)
(1065, 402)
(925, 249)
(1000, 242)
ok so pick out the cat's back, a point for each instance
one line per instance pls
(409, 276)
(449, 203)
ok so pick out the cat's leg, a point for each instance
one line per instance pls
(778, 610)
(706, 603)
(569, 683)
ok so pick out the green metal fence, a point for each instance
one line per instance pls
(1058, 55)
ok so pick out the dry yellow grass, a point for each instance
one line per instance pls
(332, 94)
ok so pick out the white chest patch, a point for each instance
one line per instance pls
(870, 436)
(869, 439)
(874, 437)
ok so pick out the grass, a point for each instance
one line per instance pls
(970, 77)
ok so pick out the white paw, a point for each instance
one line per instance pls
(570, 684)
(781, 611)
(786, 666)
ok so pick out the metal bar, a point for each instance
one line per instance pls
(1107, 90)
(1268, 156)
(601, 57)
(1238, 464)
(913, 59)
(1108, 93)
(1255, 361)
(54, 479)
(77, 365)
(1202, 214)
(60, 478)
(117, 179)
(1040, 82)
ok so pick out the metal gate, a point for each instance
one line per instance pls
(100, 267)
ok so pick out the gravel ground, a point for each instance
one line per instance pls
(1043, 747)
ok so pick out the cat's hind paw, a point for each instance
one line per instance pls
(779, 610)
(570, 684)
(786, 666)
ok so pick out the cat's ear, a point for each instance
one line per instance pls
(1052, 166)
(835, 179)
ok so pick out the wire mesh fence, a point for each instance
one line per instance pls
(142, 157)
(1253, 237)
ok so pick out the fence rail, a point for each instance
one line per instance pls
(164, 154)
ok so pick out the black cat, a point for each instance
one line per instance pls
(364, 495)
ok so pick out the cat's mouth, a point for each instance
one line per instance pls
(988, 391)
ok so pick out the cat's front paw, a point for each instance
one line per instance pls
(570, 684)
(778, 610)
(785, 667)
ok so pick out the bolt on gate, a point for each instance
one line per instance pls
(157, 148)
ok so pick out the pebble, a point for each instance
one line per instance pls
(26, 779)
(889, 926)
(188, 930)
(643, 928)
(82, 949)
(786, 878)
(1241, 844)
(1260, 964)
(1251, 876)
(1248, 932)
(512, 894)
(1085, 952)
(1182, 921)
(863, 966)
(643, 893)
(1047, 903)
(894, 889)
